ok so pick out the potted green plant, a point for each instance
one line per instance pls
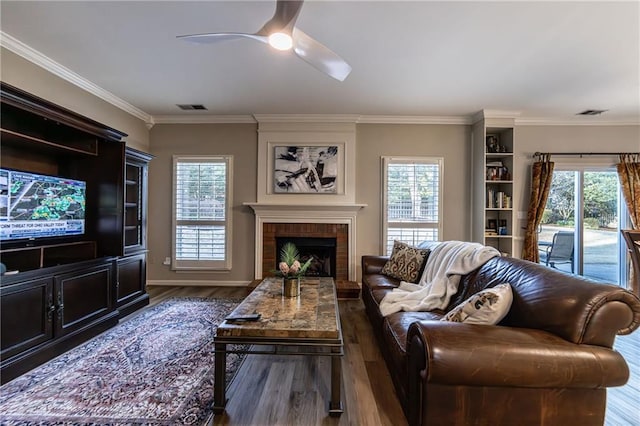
(290, 269)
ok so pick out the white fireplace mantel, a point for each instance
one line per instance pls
(280, 209)
(330, 213)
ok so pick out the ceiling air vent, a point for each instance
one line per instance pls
(192, 107)
(592, 112)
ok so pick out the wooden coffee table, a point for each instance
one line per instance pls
(311, 320)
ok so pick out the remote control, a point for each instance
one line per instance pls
(248, 317)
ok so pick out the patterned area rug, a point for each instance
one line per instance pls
(154, 369)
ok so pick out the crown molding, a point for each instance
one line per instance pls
(21, 49)
(360, 119)
(496, 114)
(413, 119)
(203, 119)
(391, 119)
(306, 118)
(551, 121)
(576, 121)
(311, 118)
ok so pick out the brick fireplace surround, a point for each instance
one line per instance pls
(309, 230)
(298, 220)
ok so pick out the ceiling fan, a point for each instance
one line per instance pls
(281, 33)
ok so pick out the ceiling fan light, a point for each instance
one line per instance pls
(280, 41)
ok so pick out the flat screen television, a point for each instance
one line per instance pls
(34, 206)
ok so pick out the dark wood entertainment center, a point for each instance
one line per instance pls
(62, 292)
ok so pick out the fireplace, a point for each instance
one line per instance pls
(298, 214)
(312, 221)
(321, 251)
(330, 241)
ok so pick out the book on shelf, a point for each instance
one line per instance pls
(498, 200)
(504, 201)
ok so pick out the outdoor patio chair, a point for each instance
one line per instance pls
(561, 249)
(633, 245)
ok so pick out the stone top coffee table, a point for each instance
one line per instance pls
(310, 320)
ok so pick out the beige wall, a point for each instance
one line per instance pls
(27, 76)
(452, 142)
(239, 140)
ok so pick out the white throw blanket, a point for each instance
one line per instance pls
(439, 282)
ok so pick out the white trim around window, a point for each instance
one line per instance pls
(411, 200)
(201, 212)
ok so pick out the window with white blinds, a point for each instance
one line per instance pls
(201, 212)
(412, 200)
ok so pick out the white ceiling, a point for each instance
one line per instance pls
(541, 59)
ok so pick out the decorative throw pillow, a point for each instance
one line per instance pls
(485, 307)
(406, 262)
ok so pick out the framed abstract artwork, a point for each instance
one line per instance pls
(306, 169)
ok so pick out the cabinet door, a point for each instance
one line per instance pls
(135, 206)
(131, 278)
(82, 297)
(27, 311)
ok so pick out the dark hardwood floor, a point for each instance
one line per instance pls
(294, 390)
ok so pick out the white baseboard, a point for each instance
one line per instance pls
(198, 283)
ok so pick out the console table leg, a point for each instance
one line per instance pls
(335, 405)
(220, 364)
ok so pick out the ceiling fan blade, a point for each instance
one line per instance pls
(283, 19)
(215, 37)
(319, 56)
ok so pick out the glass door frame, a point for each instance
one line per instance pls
(623, 215)
(624, 222)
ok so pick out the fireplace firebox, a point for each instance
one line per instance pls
(322, 251)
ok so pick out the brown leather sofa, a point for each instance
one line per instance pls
(548, 362)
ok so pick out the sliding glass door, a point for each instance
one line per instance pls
(580, 231)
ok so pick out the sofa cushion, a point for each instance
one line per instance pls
(406, 262)
(488, 306)
(380, 281)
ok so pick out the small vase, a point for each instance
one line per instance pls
(291, 287)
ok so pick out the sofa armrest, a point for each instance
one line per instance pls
(478, 355)
(373, 264)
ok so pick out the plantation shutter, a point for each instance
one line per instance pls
(412, 207)
(201, 212)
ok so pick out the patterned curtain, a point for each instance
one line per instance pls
(629, 175)
(540, 184)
